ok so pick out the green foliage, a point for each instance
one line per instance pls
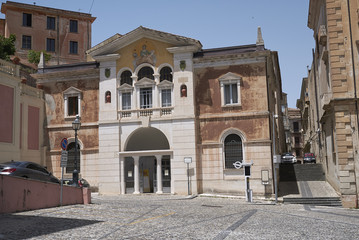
(7, 47)
(34, 56)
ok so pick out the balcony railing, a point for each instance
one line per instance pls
(136, 113)
(9, 68)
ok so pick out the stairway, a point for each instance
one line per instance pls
(317, 201)
(301, 172)
(305, 184)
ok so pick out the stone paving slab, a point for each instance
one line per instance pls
(179, 217)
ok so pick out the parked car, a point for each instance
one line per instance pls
(27, 170)
(288, 158)
(82, 182)
(309, 158)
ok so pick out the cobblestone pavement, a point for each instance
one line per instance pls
(178, 217)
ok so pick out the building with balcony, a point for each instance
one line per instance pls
(22, 113)
(330, 103)
(162, 115)
(66, 35)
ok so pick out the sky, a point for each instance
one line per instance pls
(215, 23)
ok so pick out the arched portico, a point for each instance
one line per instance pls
(141, 162)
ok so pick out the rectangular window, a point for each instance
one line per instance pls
(126, 101)
(146, 98)
(73, 47)
(297, 140)
(73, 109)
(50, 45)
(166, 98)
(73, 26)
(51, 23)
(26, 19)
(26, 42)
(295, 126)
(230, 93)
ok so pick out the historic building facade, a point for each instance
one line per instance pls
(331, 103)
(66, 35)
(22, 113)
(160, 114)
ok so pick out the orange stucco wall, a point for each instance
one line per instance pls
(18, 194)
(253, 92)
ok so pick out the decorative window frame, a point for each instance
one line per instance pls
(224, 135)
(230, 78)
(145, 83)
(72, 92)
(164, 85)
(125, 88)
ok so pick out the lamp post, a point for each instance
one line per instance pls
(76, 124)
(274, 156)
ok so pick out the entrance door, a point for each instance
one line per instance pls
(147, 167)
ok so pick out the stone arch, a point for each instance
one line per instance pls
(147, 138)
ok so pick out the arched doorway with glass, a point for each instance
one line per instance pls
(146, 162)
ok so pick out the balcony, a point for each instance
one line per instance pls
(9, 68)
(137, 113)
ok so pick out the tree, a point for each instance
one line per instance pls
(34, 56)
(7, 46)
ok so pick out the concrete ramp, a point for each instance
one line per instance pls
(305, 184)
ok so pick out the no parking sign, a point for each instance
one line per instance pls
(64, 143)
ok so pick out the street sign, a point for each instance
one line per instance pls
(237, 165)
(187, 160)
(64, 157)
(64, 143)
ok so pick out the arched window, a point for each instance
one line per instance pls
(183, 91)
(108, 97)
(166, 74)
(71, 158)
(126, 78)
(233, 150)
(145, 72)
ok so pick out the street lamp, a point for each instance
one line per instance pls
(76, 124)
(274, 116)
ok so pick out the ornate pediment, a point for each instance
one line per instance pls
(229, 77)
(125, 88)
(165, 84)
(72, 91)
(145, 82)
(115, 43)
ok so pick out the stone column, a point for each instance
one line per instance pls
(159, 174)
(136, 175)
(122, 169)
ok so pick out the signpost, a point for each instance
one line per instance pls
(247, 174)
(63, 164)
(188, 160)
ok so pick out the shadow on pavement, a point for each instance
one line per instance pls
(288, 181)
(23, 227)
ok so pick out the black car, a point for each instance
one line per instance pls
(27, 170)
(309, 158)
